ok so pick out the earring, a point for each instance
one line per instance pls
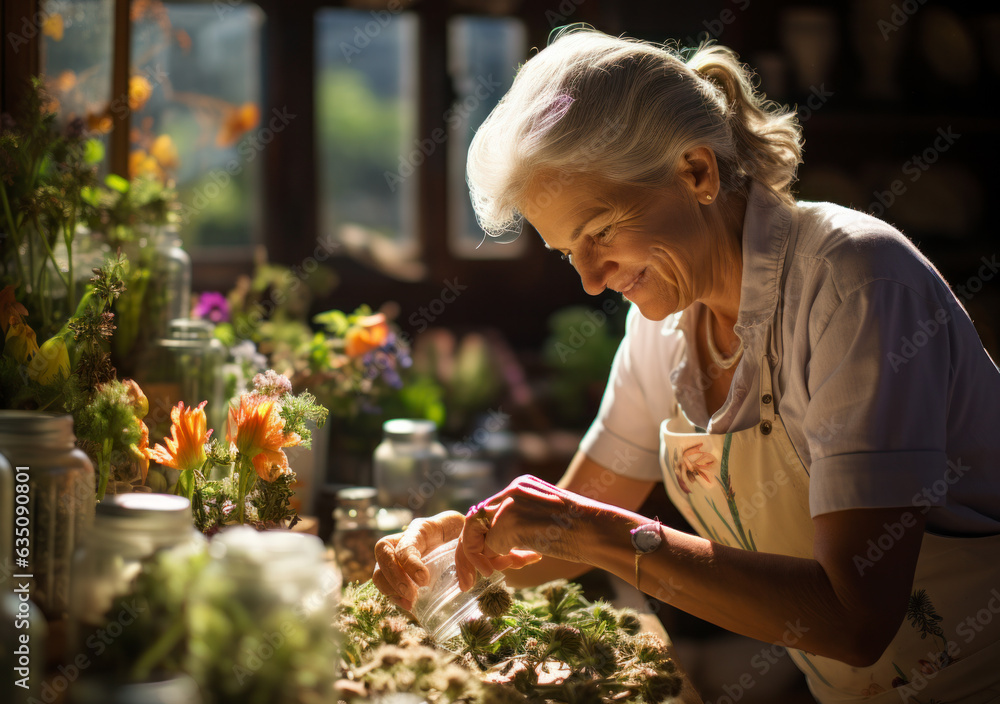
(708, 198)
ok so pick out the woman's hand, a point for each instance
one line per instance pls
(399, 571)
(526, 521)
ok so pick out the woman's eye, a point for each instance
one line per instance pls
(603, 234)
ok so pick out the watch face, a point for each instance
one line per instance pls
(646, 537)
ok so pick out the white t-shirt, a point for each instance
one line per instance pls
(881, 379)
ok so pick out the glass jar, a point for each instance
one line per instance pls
(409, 464)
(60, 504)
(262, 618)
(441, 607)
(186, 365)
(170, 274)
(355, 532)
(128, 529)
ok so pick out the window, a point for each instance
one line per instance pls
(195, 88)
(483, 53)
(369, 156)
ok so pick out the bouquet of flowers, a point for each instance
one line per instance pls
(257, 482)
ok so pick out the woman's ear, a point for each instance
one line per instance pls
(699, 172)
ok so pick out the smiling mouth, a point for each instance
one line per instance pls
(636, 281)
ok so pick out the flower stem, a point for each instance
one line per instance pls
(14, 234)
(247, 475)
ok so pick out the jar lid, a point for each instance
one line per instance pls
(269, 552)
(148, 512)
(16, 424)
(358, 497)
(189, 329)
(409, 429)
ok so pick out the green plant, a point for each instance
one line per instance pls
(550, 645)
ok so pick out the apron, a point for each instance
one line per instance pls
(748, 489)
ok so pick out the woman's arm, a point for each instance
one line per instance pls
(841, 604)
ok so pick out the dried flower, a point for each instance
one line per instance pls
(477, 633)
(628, 621)
(272, 384)
(495, 600)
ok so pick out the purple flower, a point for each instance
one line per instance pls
(213, 306)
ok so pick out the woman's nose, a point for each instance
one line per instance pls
(595, 274)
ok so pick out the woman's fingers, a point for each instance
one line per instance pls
(400, 568)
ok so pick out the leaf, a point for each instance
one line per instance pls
(116, 183)
(93, 152)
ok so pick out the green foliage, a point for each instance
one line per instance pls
(579, 352)
(552, 645)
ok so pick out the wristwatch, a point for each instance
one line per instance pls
(645, 539)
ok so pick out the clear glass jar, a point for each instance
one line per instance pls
(186, 365)
(60, 504)
(128, 529)
(262, 618)
(170, 274)
(441, 607)
(409, 464)
(355, 532)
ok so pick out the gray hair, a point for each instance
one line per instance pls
(627, 110)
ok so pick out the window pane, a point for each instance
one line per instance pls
(196, 90)
(366, 113)
(483, 56)
(76, 47)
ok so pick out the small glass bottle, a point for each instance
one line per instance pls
(60, 501)
(128, 529)
(409, 464)
(262, 618)
(186, 365)
(170, 292)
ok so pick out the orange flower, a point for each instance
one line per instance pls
(368, 334)
(10, 310)
(65, 81)
(99, 123)
(164, 151)
(53, 27)
(239, 121)
(142, 164)
(258, 431)
(185, 448)
(139, 90)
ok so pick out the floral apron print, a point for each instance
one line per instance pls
(748, 489)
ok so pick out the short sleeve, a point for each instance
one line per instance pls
(624, 436)
(879, 379)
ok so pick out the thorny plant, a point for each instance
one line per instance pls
(550, 644)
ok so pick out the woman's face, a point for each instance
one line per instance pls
(652, 245)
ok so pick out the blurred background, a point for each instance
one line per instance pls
(315, 155)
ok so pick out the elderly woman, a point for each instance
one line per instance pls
(812, 395)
